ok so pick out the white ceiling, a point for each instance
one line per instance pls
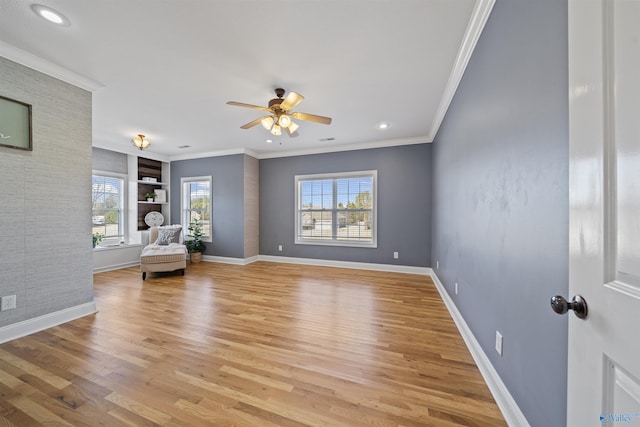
(167, 68)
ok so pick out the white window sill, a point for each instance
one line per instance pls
(350, 244)
(111, 246)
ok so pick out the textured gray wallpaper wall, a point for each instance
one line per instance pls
(251, 206)
(227, 174)
(500, 217)
(404, 204)
(45, 199)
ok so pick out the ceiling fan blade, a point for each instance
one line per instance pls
(312, 118)
(241, 104)
(253, 123)
(291, 100)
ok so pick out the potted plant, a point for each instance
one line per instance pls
(150, 196)
(97, 239)
(194, 244)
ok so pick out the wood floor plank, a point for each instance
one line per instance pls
(138, 408)
(265, 344)
(5, 422)
(43, 374)
(37, 412)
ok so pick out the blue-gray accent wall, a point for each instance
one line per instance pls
(227, 194)
(404, 204)
(500, 200)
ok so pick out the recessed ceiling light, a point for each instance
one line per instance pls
(268, 141)
(50, 15)
(383, 125)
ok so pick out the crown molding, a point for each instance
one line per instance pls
(219, 153)
(350, 147)
(478, 20)
(49, 68)
(133, 151)
(166, 158)
(270, 155)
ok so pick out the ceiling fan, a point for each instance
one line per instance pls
(281, 115)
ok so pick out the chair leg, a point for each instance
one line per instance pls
(144, 275)
(182, 272)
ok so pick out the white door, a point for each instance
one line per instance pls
(604, 236)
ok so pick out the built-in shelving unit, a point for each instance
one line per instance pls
(148, 171)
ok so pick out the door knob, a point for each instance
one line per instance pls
(577, 304)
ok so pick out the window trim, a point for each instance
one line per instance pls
(185, 227)
(334, 242)
(124, 209)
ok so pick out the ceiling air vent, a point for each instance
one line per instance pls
(326, 139)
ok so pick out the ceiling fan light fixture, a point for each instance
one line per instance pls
(267, 122)
(293, 127)
(140, 142)
(280, 114)
(284, 120)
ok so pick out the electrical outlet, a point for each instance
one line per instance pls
(455, 288)
(437, 264)
(279, 248)
(499, 343)
(395, 255)
(8, 303)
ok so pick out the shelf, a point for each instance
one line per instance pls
(144, 202)
(162, 184)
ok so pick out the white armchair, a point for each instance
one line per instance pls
(165, 252)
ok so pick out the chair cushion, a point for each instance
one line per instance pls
(153, 253)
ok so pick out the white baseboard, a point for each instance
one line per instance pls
(116, 267)
(348, 264)
(252, 259)
(425, 271)
(40, 323)
(229, 260)
(507, 404)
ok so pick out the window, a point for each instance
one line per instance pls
(196, 204)
(107, 196)
(336, 209)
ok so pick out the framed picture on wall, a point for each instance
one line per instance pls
(15, 124)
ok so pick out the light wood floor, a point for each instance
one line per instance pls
(260, 345)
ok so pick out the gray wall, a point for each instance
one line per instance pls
(45, 199)
(109, 161)
(500, 217)
(227, 193)
(404, 204)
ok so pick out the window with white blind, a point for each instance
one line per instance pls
(196, 204)
(336, 209)
(107, 211)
